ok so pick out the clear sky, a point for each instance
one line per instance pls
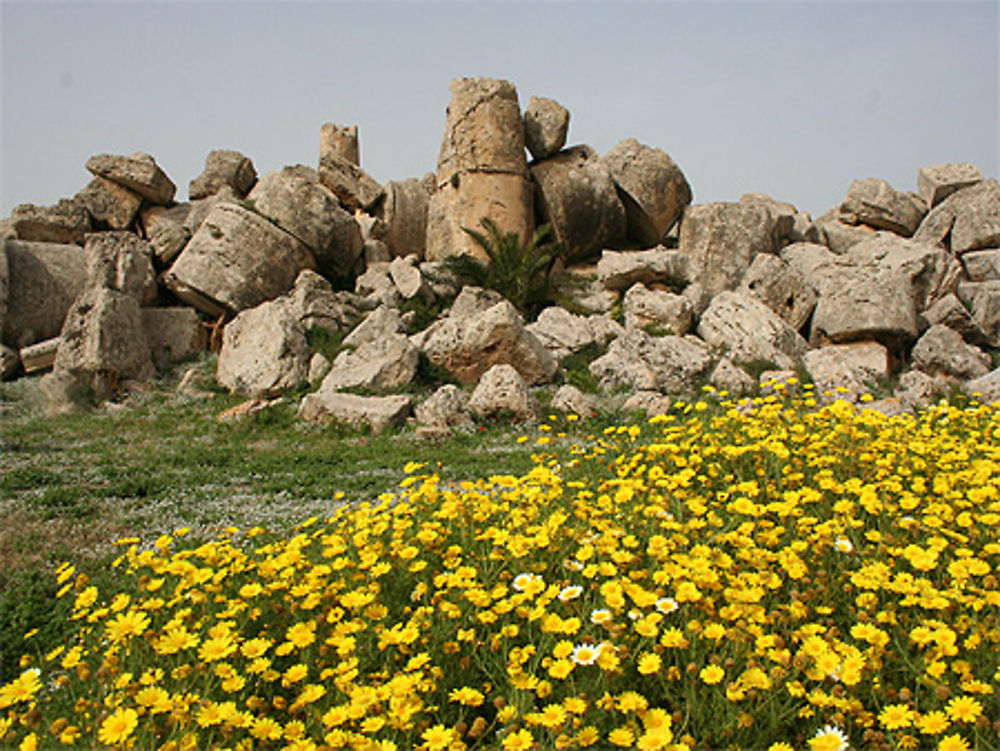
(794, 99)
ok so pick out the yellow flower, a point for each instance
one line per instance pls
(469, 697)
(30, 743)
(519, 740)
(585, 654)
(649, 662)
(964, 709)
(623, 737)
(933, 723)
(438, 737)
(124, 625)
(174, 640)
(953, 742)
(116, 728)
(712, 674)
(302, 634)
(216, 648)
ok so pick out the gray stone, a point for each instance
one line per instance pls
(378, 413)
(652, 187)
(653, 403)
(585, 293)
(165, 230)
(778, 382)
(109, 204)
(408, 280)
(447, 407)
(790, 224)
(986, 388)
(857, 304)
(876, 203)
(472, 301)
(730, 378)
(42, 281)
(403, 212)
(41, 356)
(968, 219)
(137, 172)
(376, 284)
(236, 260)
(917, 390)
(817, 264)
(563, 333)
(750, 331)
(546, 123)
(174, 334)
(721, 241)
(665, 363)
(656, 308)
(942, 351)
(619, 270)
(65, 222)
(982, 265)
(200, 209)
(10, 362)
(578, 198)
(224, 167)
(501, 389)
(314, 304)
(123, 262)
(340, 141)
(983, 299)
(949, 311)
(828, 230)
(319, 366)
(933, 272)
(847, 370)
(381, 323)
(571, 400)
(353, 187)
(938, 182)
(440, 279)
(377, 365)
(782, 288)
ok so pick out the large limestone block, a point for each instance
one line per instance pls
(403, 211)
(137, 172)
(852, 367)
(121, 261)
(721, 241)
(750, 331)
(165, 230)
(863, 304)
(173, 334)
(409, 280)
(816, 263)
(790, 224)
(264, 351)
(932, 271)
(982, 265)
(340, 141)
(949, 311)
(936, 183)
(828, 230)
(876, 203)
(43, 280)
(483, 130)
(619, 270)
(378, 365)
(668, 364)
(109, 204)
(653, 189)
(729, 377)
(447, 407)
(546, 123)
(942, 351)
(502, 390)
(65, 222)
(504, 197)
(577, 197)
(223, 167)
(354, 187)
(314, 304)
(987, 387)
(381, 323)
(646, 308)
(983, 299)
(570, 400)
(200, 209)
(468, 347)
(237, 259)
(968, 219)
(782, 288)
(563, 333)
(378, 413)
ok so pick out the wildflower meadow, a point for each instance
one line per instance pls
(778, 575)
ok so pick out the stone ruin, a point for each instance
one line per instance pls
(104, 288)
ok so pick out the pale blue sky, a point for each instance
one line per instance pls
(794, 99)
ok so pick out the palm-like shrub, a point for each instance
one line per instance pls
(521, 273)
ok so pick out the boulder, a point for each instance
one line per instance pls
(340, 141)
(666, 363)
(468, 346)
(644, 308)
(314, 304)
(917, 390)
(942, 351)
(949, 311)
(817, 264)
(578, 198)
(619, 270)
(65, 222)
(224, 167)
(109, 204)
(445, 408)
(165, 230)
(721, 241)
(865, 304)
(501, 389)
(968, 219)
(377, 365)
(782, 288)
(582, 291)
(731, 378)
(853, 368)
(546, 123)
(652, 189)
(403, 213)
(42, 281)
(10, 362)
(982, 265)
(563, 333)
(790, 224)
(137, 172)
(750, 331)
(378, 413)
(353, 187)
(409, 281)
(200, 209)
(936, 183)
(377, 285)
(828, 230)
(983, 299)
(41, 356)
(653, 403)
(986, 388)
(381, 323)
(782, 382)
(174, 334)
(237, 259)
(876, 203)
(319, 366)
(571, 400)
(472, 301)
(264, 351)
(932, 271)
(121, 261)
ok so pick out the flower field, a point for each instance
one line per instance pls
(787, 576)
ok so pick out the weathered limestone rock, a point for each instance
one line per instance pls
(665, 363)
(619, 270)
(983, 300)
(236, 260)
(200, 209)
(42, 281)
(121, 261)
(968, 219)
(314, 304)
(790, 224)
(319, 366)
(165, 230)
(447, 407)
(381, 323)
(378, 413)
(853, 367)
(949, 311)
(571, 400)
(294, 199)
(652, 188)
(942, 351)
(782, 288)
(917, 390)
(828, 230)
(340, 141)
(264, 351)
(817, 264)
(982, 265)
(783, 382)
(987, 387)
(863, 304)
(439, 278)
(721, 241)
(546, 123)
(933, 272)
(563, 333)
(876, 203)
(656, 308)
(750, 330)
(109, 204)
(577, 197)
(65, 222)
(377, 365)
(224, 167)
(9, 362)
(173, 334)
(39, 356)
(653, 403)
(585, 292)
(409, 282)
(354, 187)
(502, 389)
(403, 212)
(730, 378)
(138, 172)
(472, 301)
(936, 183)
(468, 347)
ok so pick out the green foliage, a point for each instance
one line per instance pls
(576, 368)
(324, 341)
(519, 273)
(430, 375)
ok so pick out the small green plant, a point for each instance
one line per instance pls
(519, 273)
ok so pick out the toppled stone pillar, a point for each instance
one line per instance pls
(482, 169)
